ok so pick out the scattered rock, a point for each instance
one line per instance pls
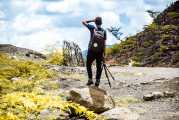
(47, 114)
(14, 57)
(63, 78)
(157, 95)
(55, 69)
(169, 94)
(153, 95)
(93, 98)
(67, 69)
(148, 97)
(146, 83)
(137, 84)
(120, 113)
(32, 77)
(15, 78)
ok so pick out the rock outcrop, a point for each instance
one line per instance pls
(156, 46)
(93, 98)
(24, 53)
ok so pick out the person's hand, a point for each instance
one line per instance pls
(93, 20)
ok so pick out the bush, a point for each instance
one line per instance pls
(29, 94)
(108, 51)
(135, 58)
(155, 56)
(129, 42)
(140, 53)
(163, 48)
(55, 56)
(173, 15)
(136, 64)
(115, 48)
(24, 105)
(18, 68)
(167, 27)
(153, 26)
(165, 36)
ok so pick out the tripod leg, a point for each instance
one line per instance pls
(107, 76)
(110, 73)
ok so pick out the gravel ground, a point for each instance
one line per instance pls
(139, 81)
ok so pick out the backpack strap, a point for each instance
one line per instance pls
(95, 29)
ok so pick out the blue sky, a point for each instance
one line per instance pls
(34, 24)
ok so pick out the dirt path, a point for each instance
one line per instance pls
(138, 81)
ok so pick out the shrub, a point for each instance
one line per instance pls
(135, 58)
(129, 41)
(24, 105)
(18, 68)
(165, 36)
(136, 64)
(158, 20)
(56, 58)
(108, 51)
(173, 15)
(146, 44)
(176, 58)
(140, 53)
(167, 27)
(163, 48)
(29, 94)
(155, 56)
(115, 48)
(153, 25)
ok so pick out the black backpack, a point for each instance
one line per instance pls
(97, 41)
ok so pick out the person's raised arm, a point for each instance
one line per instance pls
(88, 21)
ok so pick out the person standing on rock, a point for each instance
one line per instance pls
(96, 48)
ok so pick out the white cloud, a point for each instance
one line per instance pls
(26, 23)
(37, 40)
(110, 19)
(34, 6)
(63, 6)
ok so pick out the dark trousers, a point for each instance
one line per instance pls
(91, 56)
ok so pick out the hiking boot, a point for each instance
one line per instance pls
(97, 83)
(90, 82)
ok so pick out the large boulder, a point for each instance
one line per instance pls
(93, 98)
(120, 113)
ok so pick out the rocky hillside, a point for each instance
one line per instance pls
(156, 46)
(11, 51)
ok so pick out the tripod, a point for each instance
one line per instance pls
(106, 73)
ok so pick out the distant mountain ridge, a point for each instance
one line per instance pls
(85, 52)
(156, 46)
(11, 50)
